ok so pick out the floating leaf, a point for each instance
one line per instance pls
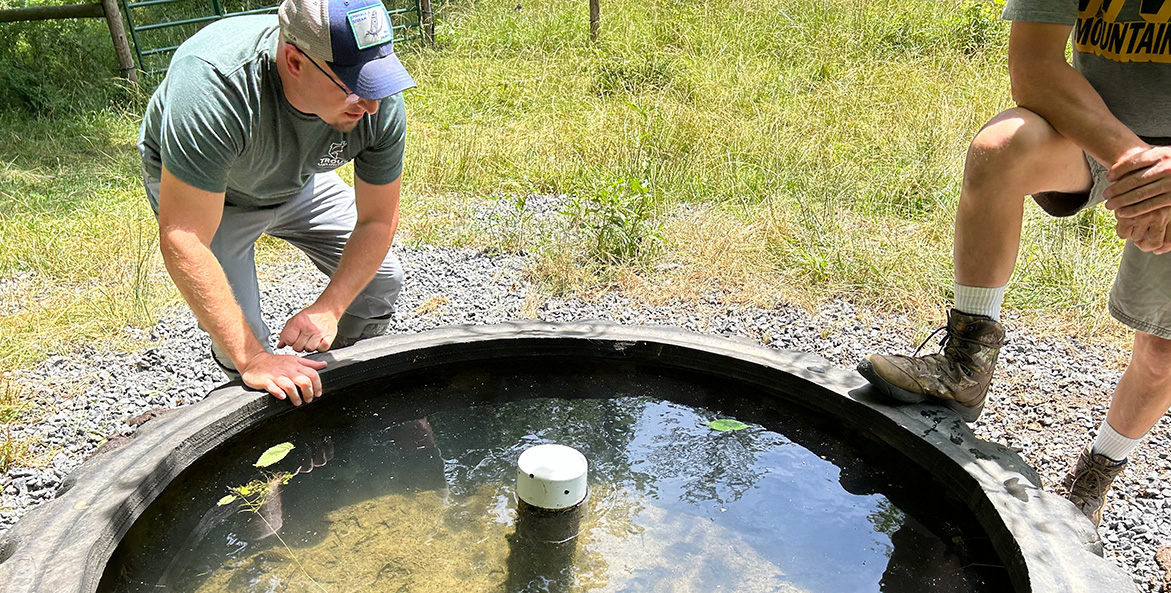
(725, 425)
(225, 500)
(274, 454)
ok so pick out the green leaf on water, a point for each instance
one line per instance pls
(225, 500)
(274, 454)
(726, 425)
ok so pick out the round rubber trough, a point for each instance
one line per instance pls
(1046, 544)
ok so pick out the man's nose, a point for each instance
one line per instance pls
(370, 105)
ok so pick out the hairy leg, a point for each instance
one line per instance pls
(1014, 155)
(1143, 394)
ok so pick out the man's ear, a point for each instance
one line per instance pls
(293, 58)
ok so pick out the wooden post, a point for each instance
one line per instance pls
(121, 46)
(427, 22)
(595, 19)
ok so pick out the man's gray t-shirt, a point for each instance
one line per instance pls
(1122, 47)
(219, 121)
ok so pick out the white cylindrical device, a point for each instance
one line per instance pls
(552, 477)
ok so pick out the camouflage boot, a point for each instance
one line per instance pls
(957, 376)
(1088, 482)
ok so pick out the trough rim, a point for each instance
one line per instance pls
(1046, 543)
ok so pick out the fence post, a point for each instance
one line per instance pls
(595, 19)
(427, 21)
(118, 34)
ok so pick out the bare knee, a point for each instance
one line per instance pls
(1152, 356)
(1010, 140)
(1019, 152)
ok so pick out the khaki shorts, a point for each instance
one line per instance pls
(1141, 296)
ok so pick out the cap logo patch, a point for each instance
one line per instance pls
(371, 25)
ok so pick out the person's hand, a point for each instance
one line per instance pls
(1140, 182)
(309, 330)
(285, 376)
(1150, 232)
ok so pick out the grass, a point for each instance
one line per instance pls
(14, 408)
(792, 150)
(827, 138)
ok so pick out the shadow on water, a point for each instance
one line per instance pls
(406, 485)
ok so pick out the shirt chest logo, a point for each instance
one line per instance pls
(1143, 34)
(333, 159)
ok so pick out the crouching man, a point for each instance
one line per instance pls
(242, 138)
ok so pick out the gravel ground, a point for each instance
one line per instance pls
(1049, 396)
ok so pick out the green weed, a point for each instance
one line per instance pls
(617, 224)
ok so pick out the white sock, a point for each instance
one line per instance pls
(1112, 444)
(977, 300)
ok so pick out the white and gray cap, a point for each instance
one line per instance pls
(354, 37)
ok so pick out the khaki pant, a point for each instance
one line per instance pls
(318, 221)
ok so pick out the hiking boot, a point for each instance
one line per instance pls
(957, 376)
(1089, 480)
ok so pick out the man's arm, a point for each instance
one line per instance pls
(1046, 84)
(1140, 175)
(188, 219)
(315, 327)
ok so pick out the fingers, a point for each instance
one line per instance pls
(290, 388)
(300, 386)
(1140, 200)
(313, 343)
(288, 336)
(1149, 233)
(285, 376)
(273, 390)
(1129, 164)
(1136, 160)
(314, 380)
(1140, 182)
(303, 341)
(309, 386)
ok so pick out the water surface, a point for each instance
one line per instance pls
(406, 485)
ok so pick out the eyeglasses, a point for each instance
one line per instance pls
(351, 98)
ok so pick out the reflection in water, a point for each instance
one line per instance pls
(384, 500)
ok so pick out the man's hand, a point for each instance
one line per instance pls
(312, 329)
(285, 376)
(1140, 183)
(1150, 232)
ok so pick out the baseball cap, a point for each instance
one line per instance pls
(354, 37)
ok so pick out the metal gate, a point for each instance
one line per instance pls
(157, 27)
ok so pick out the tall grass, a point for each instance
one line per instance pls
(79, 249)
(831, 131)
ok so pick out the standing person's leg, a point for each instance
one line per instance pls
(1142, 397)
(1014, 155)
(318, 221)
(1141, 299)
(234, 247)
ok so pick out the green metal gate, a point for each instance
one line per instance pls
(157, 27)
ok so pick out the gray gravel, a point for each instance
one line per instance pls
(1050, 393)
